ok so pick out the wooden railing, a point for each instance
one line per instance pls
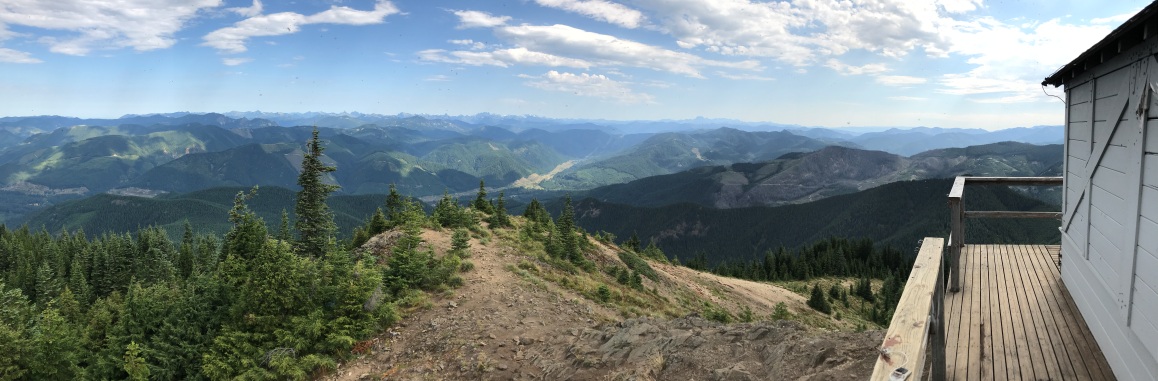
(917, 322)
(917, 327)
(958, 214)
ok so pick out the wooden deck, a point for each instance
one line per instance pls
(1014, 320)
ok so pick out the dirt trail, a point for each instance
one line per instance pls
(501, 326)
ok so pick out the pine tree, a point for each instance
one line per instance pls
(377, 223)
(134, 364)
(817, 300)
(565, 227)
(394, 207)
(315, 223)
(632, 243)
(460, 243)
(500, 219)
(481, 203)
(283, 230)
(185, 252)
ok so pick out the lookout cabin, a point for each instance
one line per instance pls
(1086, 309)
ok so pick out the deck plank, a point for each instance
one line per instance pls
(1032, 329)
(976, 334)
(988, 298)
(955, 363)
(1045, 276)
(1018, 360)
(1043, 318)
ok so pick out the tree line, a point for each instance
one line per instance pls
(259, 303)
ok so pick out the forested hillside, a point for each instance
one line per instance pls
(208, 210)
(897, 214)
(810, 176)
(673, 152)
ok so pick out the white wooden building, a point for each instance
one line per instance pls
(1109, 225)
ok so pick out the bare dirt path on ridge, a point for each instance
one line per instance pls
(501, 326)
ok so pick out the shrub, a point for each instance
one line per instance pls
(603, 293)
(780, 312)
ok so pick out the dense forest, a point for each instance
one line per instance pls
(832, 257)
(258, 303)
(897, 214)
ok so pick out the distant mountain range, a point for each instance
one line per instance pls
(44, 159)
(802, 177)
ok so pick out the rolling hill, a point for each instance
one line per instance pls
(206, 210)
(895, 214)
(802, 177)
(673, 152)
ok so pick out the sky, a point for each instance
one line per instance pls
(904, 63)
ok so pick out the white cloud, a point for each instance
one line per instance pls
(845, 69)
(502, 58)
(907, 98)
(606, 50)
(249, 11)
(960, 6)
(235, 61)
(437, 78)
(479, 19)
(232, 39)
(1010, 60)
(799, 32)
(1115, 20)
(16, 56)
(587, 85)
(139, 24)
(745, 77)
(472, 44)
(601, 10)
(900, 80)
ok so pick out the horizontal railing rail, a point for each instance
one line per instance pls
(917, 325)
(958, 214)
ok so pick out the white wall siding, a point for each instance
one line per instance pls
(1146, 303)
(1110, 248)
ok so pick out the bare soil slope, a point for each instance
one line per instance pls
(519, 317)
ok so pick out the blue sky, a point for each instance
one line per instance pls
(947, 63)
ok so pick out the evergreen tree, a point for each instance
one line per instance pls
(394, 207)
(817, 300)
(500, 219)
(864, 289)
(135, 365)
(481, 203)
(315, 223)
(185, 255)
(632, 243)
(834, 292)
(536, 213)
(283, 230)
(78, 281)
(378, 223)
(460, 243)
(565, 231)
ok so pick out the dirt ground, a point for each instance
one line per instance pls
(500, 326)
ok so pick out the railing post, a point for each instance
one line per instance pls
(938, 328)
(956, 232)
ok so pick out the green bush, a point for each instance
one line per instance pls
(603, 293)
